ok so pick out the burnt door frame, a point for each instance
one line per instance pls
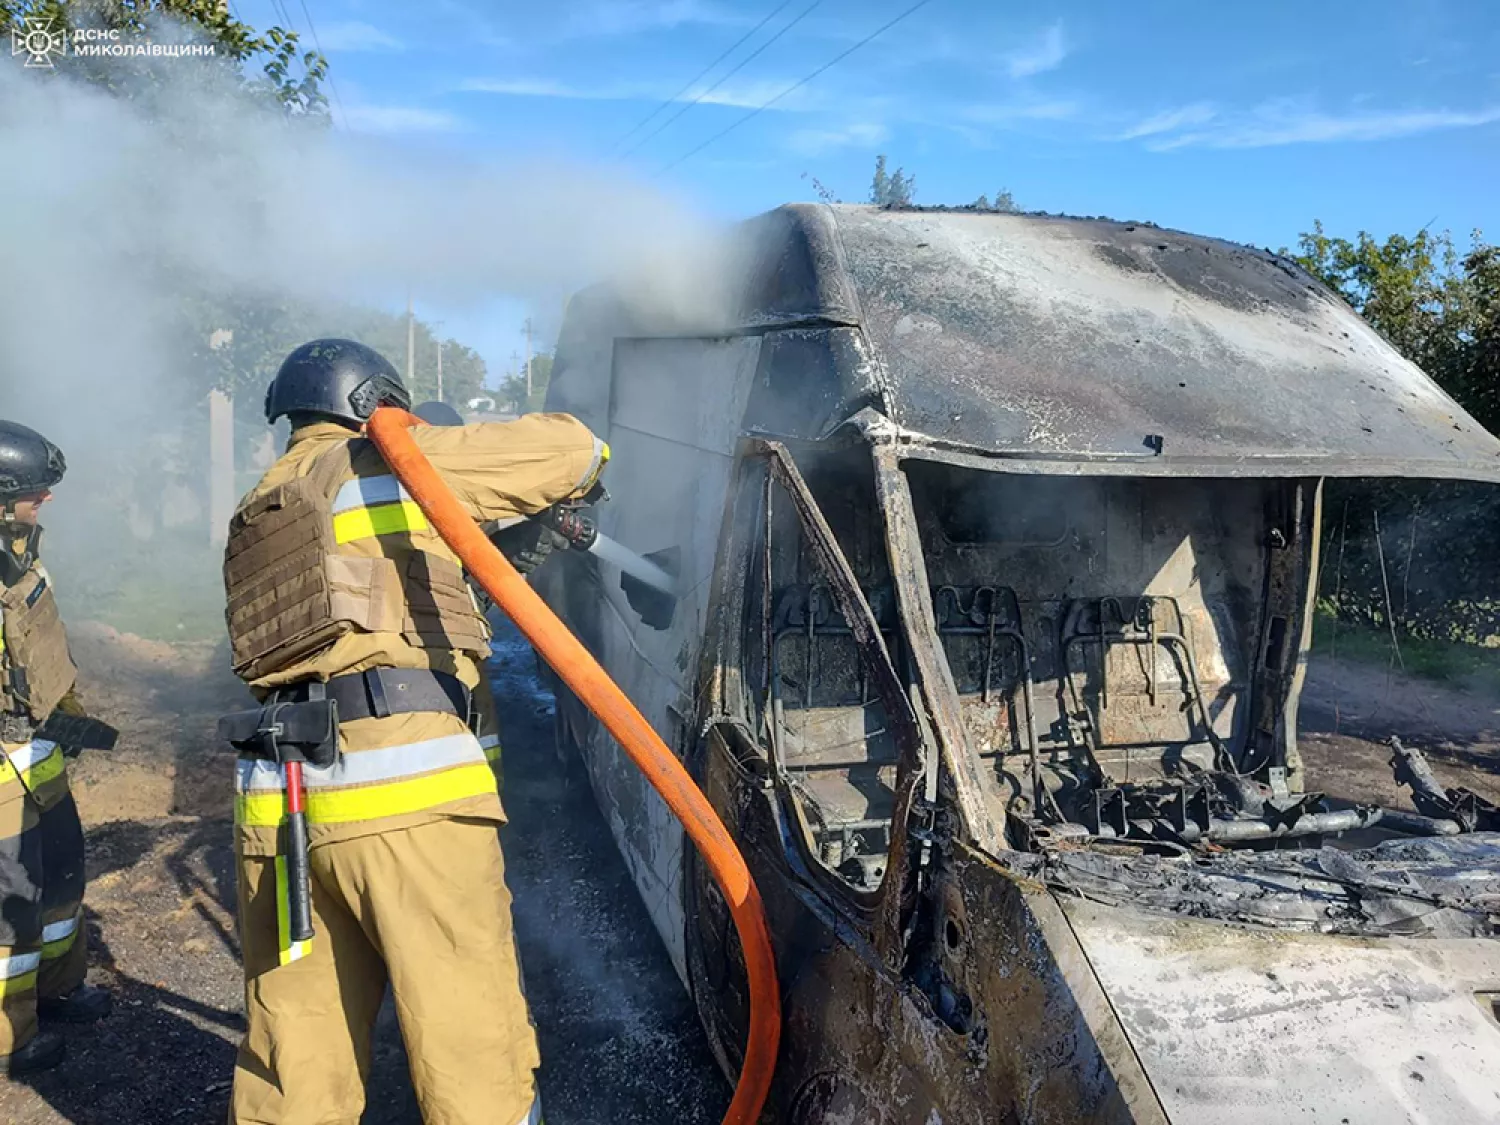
(740, 774)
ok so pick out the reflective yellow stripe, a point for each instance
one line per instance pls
(48, 769)
(37, 763)
(342, 806)
(387, 519)
(596, 466)
(18, 973)
(13, 986)
(366, 767)
(58, 938)
(287, 949)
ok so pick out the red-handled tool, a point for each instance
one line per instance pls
(298, 875)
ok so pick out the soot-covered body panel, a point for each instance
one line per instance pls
(998, 539)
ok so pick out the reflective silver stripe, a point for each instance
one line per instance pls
(365, 767)
(363, 492)
(36, 751)
(59, 930)
(18, 965)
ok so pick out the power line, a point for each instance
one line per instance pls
(751, 57)
(796, 85)
(332, 85)
(702, 74)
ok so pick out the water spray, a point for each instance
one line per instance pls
(583, 534)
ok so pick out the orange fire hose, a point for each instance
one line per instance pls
(582, 673)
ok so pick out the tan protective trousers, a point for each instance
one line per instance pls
(43, 950)
(425, 909)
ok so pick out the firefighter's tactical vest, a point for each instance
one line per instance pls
(38, 669)
(331, 553)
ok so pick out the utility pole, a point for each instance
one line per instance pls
(435, 325)
(411, 341)
(528, 359)
(220, 452)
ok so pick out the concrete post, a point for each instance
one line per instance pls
(221, 466)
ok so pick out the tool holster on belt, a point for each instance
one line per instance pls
(291, 733)
(284, 731)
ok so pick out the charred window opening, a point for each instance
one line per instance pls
(1405, 646)
(833, 743)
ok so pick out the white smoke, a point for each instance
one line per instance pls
(119, 209)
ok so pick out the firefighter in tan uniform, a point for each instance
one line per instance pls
(343, 602)
(526, 543)
(43, 955)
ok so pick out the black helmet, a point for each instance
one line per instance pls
(335, 378)
(438, 414)
(29, 463)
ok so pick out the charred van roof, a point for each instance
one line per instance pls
(1070, 341)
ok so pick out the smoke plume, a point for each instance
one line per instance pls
(121, 209)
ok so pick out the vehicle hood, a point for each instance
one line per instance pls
(1236, 1024)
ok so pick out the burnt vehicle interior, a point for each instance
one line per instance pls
(1122, 651)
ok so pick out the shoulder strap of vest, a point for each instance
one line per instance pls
(332, 468)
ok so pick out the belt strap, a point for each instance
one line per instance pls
(383, 692)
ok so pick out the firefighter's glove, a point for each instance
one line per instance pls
(527, 544)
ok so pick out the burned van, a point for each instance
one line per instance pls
(995, 539)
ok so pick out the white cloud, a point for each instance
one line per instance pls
(353, 35)
(745, 95)
(398, 119)
(1170, 121)
(538, 88)
(631, 17)
(1287, 123)
(1044, 53)
(817, 142)
(1008, 113)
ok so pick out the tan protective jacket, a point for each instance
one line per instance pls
(33, 641)
(331, 569)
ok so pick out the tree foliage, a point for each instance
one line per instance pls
(1004, 202)
(260, 334)
(1439, 307)
(286, 75)
(252, 334)
(895, 189)
(1419, 558)
(513, 388)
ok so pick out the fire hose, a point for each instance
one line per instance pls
(577, 668)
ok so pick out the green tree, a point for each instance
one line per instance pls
(513, 389)
(1437, 307)
(287, 76)
(1004, 202)
(895, 189)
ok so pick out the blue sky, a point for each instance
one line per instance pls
(1241, 120)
